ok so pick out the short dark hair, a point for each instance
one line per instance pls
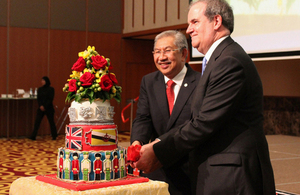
(218, 7)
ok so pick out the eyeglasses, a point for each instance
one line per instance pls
(164, 52)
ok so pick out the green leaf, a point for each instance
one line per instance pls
(77, 98)
(91, 94)
(118, 97)
(106, 96)
(70, 96)
(91, 100)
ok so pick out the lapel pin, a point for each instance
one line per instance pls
(185, 85)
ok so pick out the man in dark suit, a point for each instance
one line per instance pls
(153, 117)
(225, 139)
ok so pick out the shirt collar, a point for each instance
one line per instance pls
(178, 79)
(213, 47)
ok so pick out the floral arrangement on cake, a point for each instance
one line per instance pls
(91, 79)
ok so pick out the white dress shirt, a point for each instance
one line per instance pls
(178, 79)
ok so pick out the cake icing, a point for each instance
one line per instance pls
(96, 112)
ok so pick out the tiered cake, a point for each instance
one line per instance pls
(91, 151)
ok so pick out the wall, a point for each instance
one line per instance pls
(280, 77)
(281, 83)
(43, 37)
(143, 15)
(137, 61)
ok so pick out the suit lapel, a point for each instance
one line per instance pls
(161, 97)
(187, 87)
(205, 77)
(215, 55)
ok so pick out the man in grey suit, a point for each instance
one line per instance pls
(225, 139)
(153, 117)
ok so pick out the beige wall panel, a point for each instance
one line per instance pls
(127, 15)
(149, 12)
(172, 12)
(160, 14)
(184, 9)
(138, 15)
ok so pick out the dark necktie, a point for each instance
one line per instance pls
(170, 94)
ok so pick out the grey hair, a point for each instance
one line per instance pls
(218, 7)
(179, 38)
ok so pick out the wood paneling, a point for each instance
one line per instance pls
(28, 61)
(3, 57)
(28, 52)
(137, 61)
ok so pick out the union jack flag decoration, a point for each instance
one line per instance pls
(73, 137)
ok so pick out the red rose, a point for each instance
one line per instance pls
(106, 84)
(113, 78)
(72, 85)
(110, 67)
(98, 62)
(79, 65)
(87, 79)
(133, 153)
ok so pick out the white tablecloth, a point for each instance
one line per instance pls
(31, 186)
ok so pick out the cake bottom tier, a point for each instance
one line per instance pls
(91, 165)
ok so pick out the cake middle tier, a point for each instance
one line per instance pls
(91, 137)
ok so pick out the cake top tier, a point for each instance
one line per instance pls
(85, 112)
(91, 78)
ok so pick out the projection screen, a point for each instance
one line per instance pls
(266, 29)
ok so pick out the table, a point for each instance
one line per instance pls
(31, 186)
(17, 116)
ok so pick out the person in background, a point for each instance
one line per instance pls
(45, 98)
(225, 139)
(154, 117)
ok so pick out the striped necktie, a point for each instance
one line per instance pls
(203, 65)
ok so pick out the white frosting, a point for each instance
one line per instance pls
(85, 112)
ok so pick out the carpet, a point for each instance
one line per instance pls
(24, 157)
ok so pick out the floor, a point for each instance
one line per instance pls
(16, 162)
(285, 158)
